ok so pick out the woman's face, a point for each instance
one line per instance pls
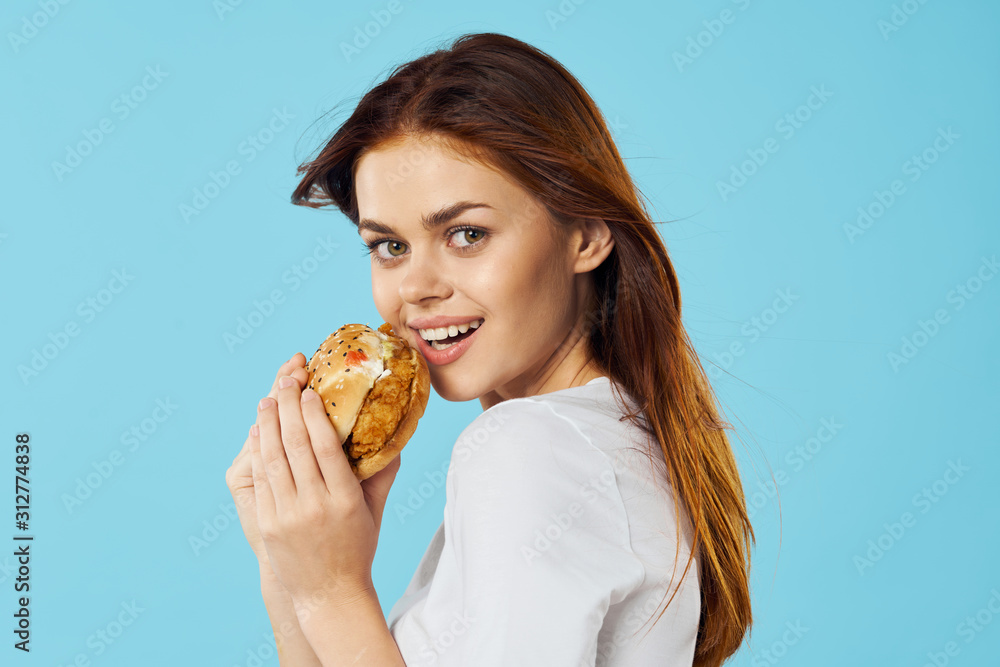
(490, 256)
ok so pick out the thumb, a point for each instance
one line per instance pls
(376, 489)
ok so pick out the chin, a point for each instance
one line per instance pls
(451, 390)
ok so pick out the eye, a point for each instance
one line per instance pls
(395, 249)
(470, 234)
(473, 237)
(389, 246)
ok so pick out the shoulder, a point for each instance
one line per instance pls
(527, 459)
(519, 433)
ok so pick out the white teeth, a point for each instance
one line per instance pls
(441, 333)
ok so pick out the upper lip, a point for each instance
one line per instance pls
(441, 321)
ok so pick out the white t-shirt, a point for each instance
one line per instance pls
(557, 547)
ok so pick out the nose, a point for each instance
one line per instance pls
(425, 279)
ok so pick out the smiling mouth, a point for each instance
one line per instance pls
(448, 342)
(445, 343)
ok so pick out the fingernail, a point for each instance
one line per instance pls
(309, 395)
(265, 403)
(255, 430)
(286, 381)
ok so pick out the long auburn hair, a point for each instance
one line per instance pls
(511, 105)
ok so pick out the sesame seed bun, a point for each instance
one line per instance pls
(375, 388)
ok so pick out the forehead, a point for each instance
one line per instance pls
(398, 182)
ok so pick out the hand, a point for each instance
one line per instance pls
(239, 477)
(318, 524)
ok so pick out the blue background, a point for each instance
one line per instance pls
(852, 297)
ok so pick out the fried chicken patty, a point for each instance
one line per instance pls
(383, 408)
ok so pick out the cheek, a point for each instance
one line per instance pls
(520, 287)
(541, 275)
(385, 295)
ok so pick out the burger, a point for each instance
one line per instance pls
(374, 387)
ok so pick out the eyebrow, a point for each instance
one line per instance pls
(430, 221)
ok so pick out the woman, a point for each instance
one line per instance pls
(510, 246)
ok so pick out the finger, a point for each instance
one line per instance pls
(298, 360)
(272, 454)
(261, 485)
(376, 489)
(241, 464)
(294, 367)
(326, 445)
(297, 439)
(300, 374)
(283, 370)
(239, 477)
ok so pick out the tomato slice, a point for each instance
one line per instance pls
(354, 358)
